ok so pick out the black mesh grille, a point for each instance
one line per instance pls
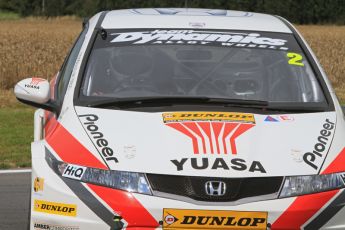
(194, 187)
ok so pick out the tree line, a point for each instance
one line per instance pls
(297, 11)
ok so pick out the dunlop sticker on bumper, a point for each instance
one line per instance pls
(210, 219)
(208, 116)
(55, 208)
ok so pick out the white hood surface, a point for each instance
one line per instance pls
(214, 144)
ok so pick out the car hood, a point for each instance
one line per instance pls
(214, 144)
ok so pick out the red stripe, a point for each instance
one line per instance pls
(217, 128)
(337, 165)
(50, 122)
(227, 129)
(127, 206)
(69, 149)
(185, 131)
(302, 209)
(305, 207)
(243, 128)
(52, 86)
(206, 127)
(195, 129)
(124, 203)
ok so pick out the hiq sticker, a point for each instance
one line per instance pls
(74, 171)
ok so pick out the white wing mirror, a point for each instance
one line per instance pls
(34, 91)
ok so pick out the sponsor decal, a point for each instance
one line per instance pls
(102, 144)
(279, 118)
(129, 151)
(237, 164)
(271, 119)
(34, 84)
(316, 155)
(208, 116)
(297, 155)
(170, 219)
(39, 226)
(74, 171)
(36, 81)
(55, 208)
(38, 184)
(213, 219)
(213, 133)
(286, 118)
(199, 37)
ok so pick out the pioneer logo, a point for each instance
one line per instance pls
(102, 144)
(321, 146)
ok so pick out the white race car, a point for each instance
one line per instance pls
(187, 119)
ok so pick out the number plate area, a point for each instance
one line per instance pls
(213, 219)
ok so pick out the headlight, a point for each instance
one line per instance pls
(128, 181)
(301, 185)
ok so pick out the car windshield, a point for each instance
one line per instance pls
(237, 65)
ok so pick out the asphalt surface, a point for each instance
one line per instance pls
(14, 200)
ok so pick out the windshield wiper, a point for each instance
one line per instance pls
(297, 107)
(157, 101)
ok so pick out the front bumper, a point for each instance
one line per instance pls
(65, 204)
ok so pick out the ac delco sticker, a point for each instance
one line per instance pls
(207, 219)
(208, 116)
(55, 208)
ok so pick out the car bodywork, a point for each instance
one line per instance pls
(181, 151)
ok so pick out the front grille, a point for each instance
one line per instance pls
(194, 187)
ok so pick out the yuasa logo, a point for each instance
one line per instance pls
(74, 171)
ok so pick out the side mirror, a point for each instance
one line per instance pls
(35, 92)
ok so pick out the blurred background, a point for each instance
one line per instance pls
(36, 35)
(301, 12)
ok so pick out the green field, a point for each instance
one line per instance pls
(16, 132)
(5, 15)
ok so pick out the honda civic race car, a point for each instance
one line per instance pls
(186, 119)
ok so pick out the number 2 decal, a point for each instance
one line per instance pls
(295, 59)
